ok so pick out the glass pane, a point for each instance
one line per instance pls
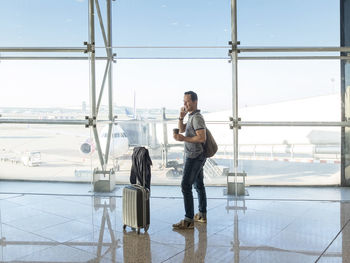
(289, 90)
(52, 86)
(41, 23)
(146, 90)
(288, 23)
(167, 154)
(290, 155)
(154, 84)
(43, 152)
(164, 22)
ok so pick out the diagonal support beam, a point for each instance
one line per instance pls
(102, 28)
(109, 136)
(98, 145)
(103, 86)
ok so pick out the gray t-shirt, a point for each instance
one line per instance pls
(195, 122)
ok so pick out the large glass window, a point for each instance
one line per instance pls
(149, 82)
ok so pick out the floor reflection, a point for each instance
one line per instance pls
(37, 247)
(238, 205)
(136, 247)
(108, 205)
(194, 253)
(39, 228)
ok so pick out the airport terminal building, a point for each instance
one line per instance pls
(86, 83)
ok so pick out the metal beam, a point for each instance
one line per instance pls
(101, 25)
(240, 49)
(188, 58)
(234, 62)
(345, 93)
(35, 121)
(102, 86)
(294, 49)
(110, 78)
(50, 58)
(98, 145)
(294, 124)
(42, 49)
(247, 49)
(296, 58)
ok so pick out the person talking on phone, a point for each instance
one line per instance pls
(194, 138)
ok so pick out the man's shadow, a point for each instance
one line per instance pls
(194, 252)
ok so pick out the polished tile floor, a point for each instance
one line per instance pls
(270, 225)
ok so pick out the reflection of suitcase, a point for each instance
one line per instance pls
(137, 250)
(136, 212)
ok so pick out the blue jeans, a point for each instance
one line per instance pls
(193, 175)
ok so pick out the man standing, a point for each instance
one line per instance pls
(195, 136)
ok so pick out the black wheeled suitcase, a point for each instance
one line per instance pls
(136, 212)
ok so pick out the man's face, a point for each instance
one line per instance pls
(189, 104)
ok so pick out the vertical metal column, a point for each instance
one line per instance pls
(110, 79)
(165, 138)
(345, 92)
(234, 63)
(93, 77)
(92, 58)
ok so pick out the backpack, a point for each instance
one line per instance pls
(209, 147)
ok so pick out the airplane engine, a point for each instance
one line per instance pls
(87, 147)
(119, 143)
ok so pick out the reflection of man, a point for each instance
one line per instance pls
(192, 255)
(195, 136)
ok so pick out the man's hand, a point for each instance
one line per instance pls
(183, 112)
(179, 137)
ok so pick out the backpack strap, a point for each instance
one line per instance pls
(205, 129)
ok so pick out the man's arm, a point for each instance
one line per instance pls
(181, 125)
(200, 137)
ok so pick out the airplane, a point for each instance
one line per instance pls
(119, 144)
(313, 109)
(301, 140)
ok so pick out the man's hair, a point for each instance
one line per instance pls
(194, 96)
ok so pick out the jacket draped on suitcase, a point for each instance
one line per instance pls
(141, 167)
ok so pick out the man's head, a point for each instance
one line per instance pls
(190, 101)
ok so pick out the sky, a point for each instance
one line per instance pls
(161, 83)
